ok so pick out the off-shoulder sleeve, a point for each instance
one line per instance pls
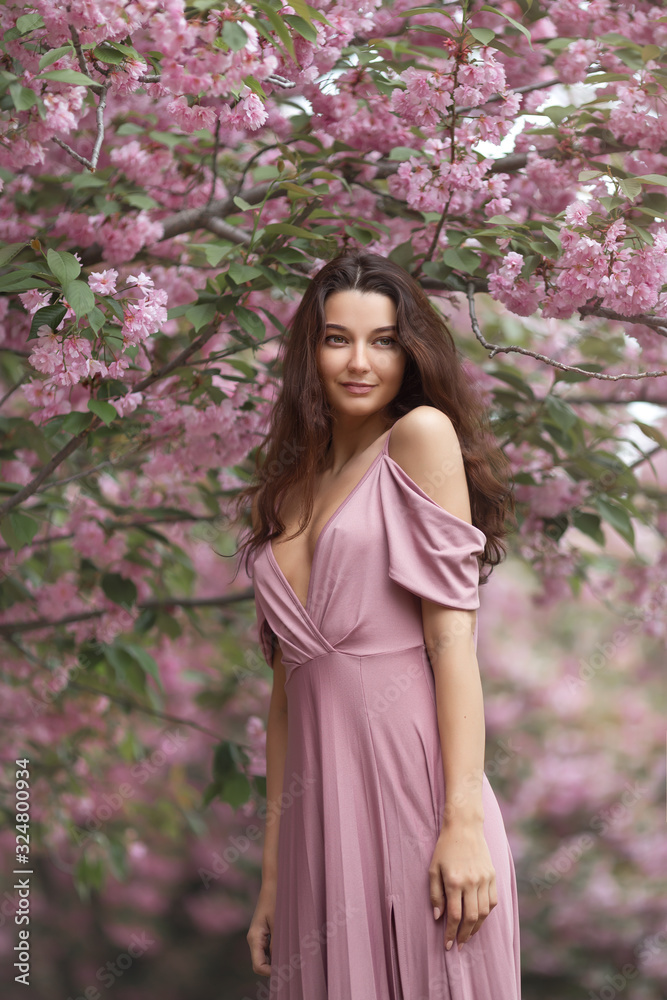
(432, 552)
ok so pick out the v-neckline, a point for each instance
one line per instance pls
(269, 547)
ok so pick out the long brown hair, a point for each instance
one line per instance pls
(300, 430)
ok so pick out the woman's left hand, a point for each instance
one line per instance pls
(462, 877)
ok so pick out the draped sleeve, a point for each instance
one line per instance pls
(432, 553)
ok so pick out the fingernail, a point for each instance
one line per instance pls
(461, 945)
(436, 912)
(449, 945)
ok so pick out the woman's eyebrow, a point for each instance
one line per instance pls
(378, 329)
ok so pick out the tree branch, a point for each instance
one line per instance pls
(122, 699)
(657, 323)
(497, 349)
(9, 628)
(208, 331)
(99, 115)
(226, 231)
(116, 526)
(501, 97)
(128, 702)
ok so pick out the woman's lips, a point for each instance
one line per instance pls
(357, 390)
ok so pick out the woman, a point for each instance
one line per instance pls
(382, 495)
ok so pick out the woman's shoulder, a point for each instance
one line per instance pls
(420, 431)
(425, 445)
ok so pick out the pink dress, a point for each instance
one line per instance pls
(364, 790)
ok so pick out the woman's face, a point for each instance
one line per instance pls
(360, 345)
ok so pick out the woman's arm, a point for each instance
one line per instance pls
(448, 634)
(261, 925)
(425, 444)
(276, 751)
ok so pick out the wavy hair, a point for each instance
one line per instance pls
(300, 429)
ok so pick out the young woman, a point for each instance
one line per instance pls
(387, 873)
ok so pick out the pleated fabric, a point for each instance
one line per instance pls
(364, 791)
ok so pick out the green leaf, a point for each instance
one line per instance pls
(278, 26)
(139, 200)
(76, 422)
(214, 252)
(588, 175)
(105, 411)
(47, 316)
(11, 250)
(69, 76)
(108, 55)
(287, 229)
(29, 22)
(301, 27)
(553, 235)
(255, 86)
(234, 36)
(235, 790)
(18, 529)
(23, 97)
(80, 297)
(617, 516)
(511, 378)
(630, 187)
(403, 153)
(561, 413)
(240, 273)
(119, 589)
(242, 366)
(97, 319)
(144, 659)
(309, 14)
(19, 281)
(653, 179)
(63, 265)
(520, 27)
(201, 314)
(53, 55)
(243, 204)
(461, 259)
(250, 322)
(589, 524)
(482, 35)
(652, 432)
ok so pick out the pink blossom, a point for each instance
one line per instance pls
(103, 282)
(249, 114)
(128, 403)
(572, 64)
(577, 213)
(191, 118)
(516, 293)
(145, 317)
(143, 281)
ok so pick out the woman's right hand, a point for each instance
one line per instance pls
(261, 926)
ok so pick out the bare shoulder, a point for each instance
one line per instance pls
(425, 444)
(422, 432)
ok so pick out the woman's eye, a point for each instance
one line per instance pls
(339, 336)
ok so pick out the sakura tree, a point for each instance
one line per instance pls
(172, 174)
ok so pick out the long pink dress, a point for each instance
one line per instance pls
(364, 789)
